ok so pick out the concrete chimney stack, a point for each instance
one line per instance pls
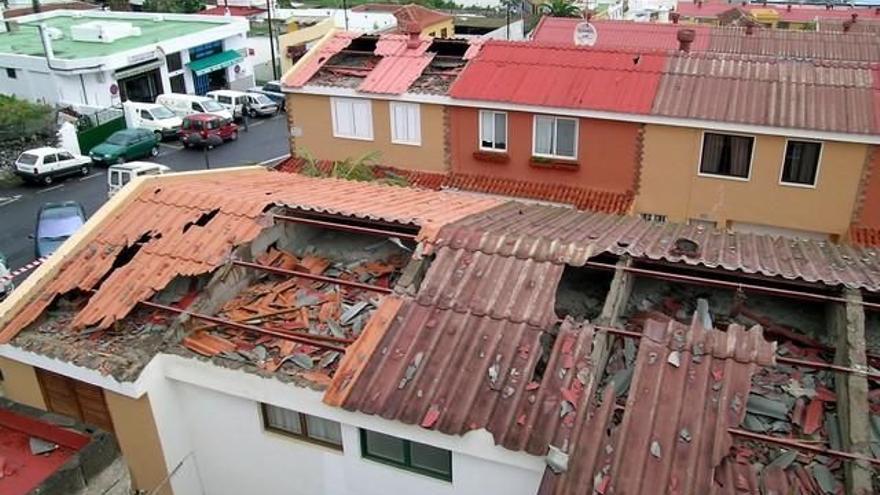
(685, 38)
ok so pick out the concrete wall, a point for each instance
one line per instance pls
(607, 152)
(670, 184)
(226, 430)
(20, 383)
(138, 439)
(436, 29)
(312, 114)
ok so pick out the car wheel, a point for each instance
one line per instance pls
(154, 152)
(47, 180)
(158, 136)
(84, 170)
(233, 136)
(252, 113)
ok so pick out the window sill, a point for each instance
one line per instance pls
(724, 177)
(303, 440)
(797, 185)
(554, 163)
(492, 156)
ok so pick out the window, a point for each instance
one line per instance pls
(412, 456)
(195, 106)
(49, 159)
(174, 62)
(224, 99)
(654, 217)
(352, 118)
(178, 84)
(11, 74)
(311, 428)
(801, 164)
(62, 156)
(493, 130)
(727, 155)
(406, 125)
(146, 115)
(444, 33)
(555, 137)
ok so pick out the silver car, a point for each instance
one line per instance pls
(260, 105)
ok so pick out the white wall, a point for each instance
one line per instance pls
(235, 455)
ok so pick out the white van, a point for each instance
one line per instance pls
(120, 175)
(184, 105)
(231, 100)
(151, 116)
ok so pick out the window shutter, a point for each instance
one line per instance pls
(363, 122)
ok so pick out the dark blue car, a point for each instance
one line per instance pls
(56, 222)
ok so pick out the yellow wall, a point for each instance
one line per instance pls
(138, 440)
(671, 186)
(436, 29)
(302, 36)
(311, 114)
(20, 383)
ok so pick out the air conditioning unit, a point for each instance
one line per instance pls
(103, 31)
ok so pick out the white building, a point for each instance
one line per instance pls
(98, 59)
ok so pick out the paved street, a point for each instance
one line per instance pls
(266, 140)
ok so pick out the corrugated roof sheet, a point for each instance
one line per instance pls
(564, 235)
(336, 43)
(561, 76)
(797, 13)
(395, 73)
(775, 93)
(579, 197)
(673, 435)
(167, 209)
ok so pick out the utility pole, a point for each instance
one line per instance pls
(345, 13)
(271, 40)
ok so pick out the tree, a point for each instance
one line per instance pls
(561, 8)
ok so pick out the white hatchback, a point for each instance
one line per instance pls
(43, 165)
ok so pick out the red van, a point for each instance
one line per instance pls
(205, 128)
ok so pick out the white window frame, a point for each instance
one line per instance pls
(818, 164)
(480, 133)
(556, 119)
(335, 101)
(418, 131)
(700, 173)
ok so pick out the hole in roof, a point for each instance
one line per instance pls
(363, 44)
(685, 247)
(128, 253)
(203, 219)
(546, 343)
(449, 48)
(581, 292)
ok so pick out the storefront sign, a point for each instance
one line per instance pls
(141, 57)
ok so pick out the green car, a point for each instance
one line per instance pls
(127, 144)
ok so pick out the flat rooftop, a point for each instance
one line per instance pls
(26, 41)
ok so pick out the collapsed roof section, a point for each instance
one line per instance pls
(385, 64)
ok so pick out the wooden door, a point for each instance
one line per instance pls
(76, 399)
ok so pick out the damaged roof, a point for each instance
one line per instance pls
(173, 227)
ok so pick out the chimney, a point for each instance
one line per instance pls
(588, 14)
(854, 16)
(877, 11)
(674, 16)
(847, 25)
(685, 38)
(788, 7)
(750, 28)
(700, 4)
(414, 41)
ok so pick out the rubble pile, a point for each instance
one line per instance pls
(331, 315)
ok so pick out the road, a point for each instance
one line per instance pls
(265, 140)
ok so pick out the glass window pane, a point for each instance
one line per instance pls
(713, 150)
(565, 136)
(486, 130)
(544, 135)
(324, 430)
(430, 458)
(501, 131)
(801, 162)
(283, 419)
(384, 447)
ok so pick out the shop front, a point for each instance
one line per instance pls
(210, 70)
(140, 82)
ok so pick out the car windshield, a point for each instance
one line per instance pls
(59, 223)
(211, 106)
(119, 138)
(162, 113)
(262, 99)
(27, 159)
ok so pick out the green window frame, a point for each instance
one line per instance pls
(406, 460)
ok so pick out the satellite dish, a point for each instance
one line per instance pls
(585, 34)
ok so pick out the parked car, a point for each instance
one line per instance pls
(45, 164)
(231, 100)
(157, 118)
(260, 105)
(184, 105)
(6, 284)
(120, 175)
(56, 222)
(124, 145)
(204, 129)
(272, 89)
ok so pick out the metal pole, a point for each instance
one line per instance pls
(271, 40)
(507, 10)
(311, 276)
(314, 340)
(345, 13)
(801, 446)
(205, 152)
(345, 228)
